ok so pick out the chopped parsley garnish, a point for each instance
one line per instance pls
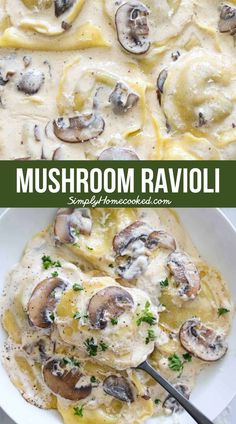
(71, 361)
(146, 316)
(51, 316)
(103, 346)
(91, 347)
(93, 379)
(222, 311)
(77, 315)
(79, 411)
(175, 362)
(187, 357)
(114, 321)
(164, 283)
(49, 263)
(55, 274)
(77, 287)
(157, 401)
(151, 336)
(90, 248)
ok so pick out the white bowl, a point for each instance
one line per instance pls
(214, 237)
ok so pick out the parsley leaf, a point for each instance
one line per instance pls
(55, 274)
(77, 315)
(91, 347)
(90, 248)
(79, 411)
(222, 311)
(77, 287)
(103, 346)
(164, 283)
(157, 401)
(187, 357)
(146, 316)
(175, 363)
(48, 262)
(71, 361)
(93, 379)
(114, 321)
(51, 316)
(151, 336)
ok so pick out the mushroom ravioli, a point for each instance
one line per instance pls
(106, 79)
(97, 293)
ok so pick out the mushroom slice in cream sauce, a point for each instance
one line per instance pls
(96, 293)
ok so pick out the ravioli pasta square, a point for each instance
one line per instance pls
(94, 295)
(106, 79)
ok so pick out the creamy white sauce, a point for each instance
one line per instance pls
(83, 64)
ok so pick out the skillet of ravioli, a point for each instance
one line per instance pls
(97, 292)
(106, 79)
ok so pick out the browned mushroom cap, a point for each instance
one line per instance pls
(118, 153)
(185, 274)
(61, 6)
(227, 22)
(63, 380)
(122, 98)
(132, 239)
(160, 239)
(132, 27)
(202, 341)
(119, 387)
(30, 81)
(171, 404)
(69, 221)
(160, 83)
(109, 302)
(80, 128)
(43, 301)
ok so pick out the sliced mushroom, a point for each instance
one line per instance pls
(109, 302)
(80, 128)
(43, 301)
(227, 21)
(131, 241)
(130, 268)
(69, 221)
(119, 387)
(171, 404)
(185, 274)
(132, 27)
(58, 154)
(160, 239)
(30, 81)
(122, 98)
(131, 253)
(202, 341)
(3, 81)
(63, 380)
(160, 83)
(61, 6)
(40, 350)
(118, 153)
